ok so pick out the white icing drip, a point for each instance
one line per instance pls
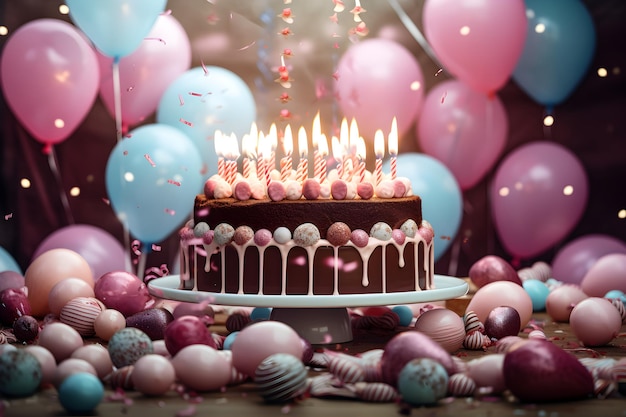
(284, 249)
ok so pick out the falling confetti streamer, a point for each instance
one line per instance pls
(176, 183)
(149, 159)
(188, 123)
(170, 211)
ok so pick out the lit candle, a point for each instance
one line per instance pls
(316, 133)
(248, 146)
(303, 165)
(261, 158)
(219, 151)
(360, 155)
(322, 146)
(337, 155)
(344, 140)
(392, 145)
(379, 150)
(232, 155)
(286, 161)
(273, 143)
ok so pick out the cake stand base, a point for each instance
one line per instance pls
(320, 326)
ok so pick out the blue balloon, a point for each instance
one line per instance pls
(442, 201)
(200, 102)
(152, 178)
(560, 44)
(7, 263)
(116, 27)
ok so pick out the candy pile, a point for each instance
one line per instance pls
(96, 342)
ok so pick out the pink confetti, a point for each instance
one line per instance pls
(156, 248)
(167, 12)
(149, 159)
(180, 100)
(106, 201)
(170, 211)
(134, 246)
(439, 71)
(443, 97)
(206, 70)
(125, 153)
(185, 122)
(192, 93)
(176, 183)
(8, 216)
(157, 39)
(243, 48)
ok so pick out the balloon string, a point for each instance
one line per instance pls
(52, 161)
(141, 265)
(414, 31)
(117, 97)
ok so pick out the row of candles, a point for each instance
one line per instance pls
(348, 150)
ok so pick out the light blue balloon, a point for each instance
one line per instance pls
(555, 60)
(7, 263)
(116, 27)
(200, 102)
(442, 201)
(152, 178)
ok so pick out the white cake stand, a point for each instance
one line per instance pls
(321, 319)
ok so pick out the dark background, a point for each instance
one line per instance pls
(591, 123)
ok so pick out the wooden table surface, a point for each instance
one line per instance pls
(242, 400)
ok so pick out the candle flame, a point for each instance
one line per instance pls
(273, 137)
(248, 145)
(217, 143)
(354, 134)
(344, 135)
(379, 144)
(288, 141)
(392, 139)
(302, 143)
(337, 148)
(232, 147)
(322, 145)
(264, 146)
(360, 149)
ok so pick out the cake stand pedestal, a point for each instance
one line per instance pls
(321, 319)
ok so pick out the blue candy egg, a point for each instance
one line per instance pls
(20, 373)
(228, 341)
(80, 393)
(404, 313)
(260, 313)
(616, 294)
(422, 381)
(538, 292)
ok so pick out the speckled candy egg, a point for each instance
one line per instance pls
(200, 229)
(360, 238)
(126, 346)
(422, 381)
(381, 231)
(81, 313)
(409, 228)
(243, 234)
(20, 373)
(280, 377)
(338, 234)
(223, 234)
(262, 237)
(307, 234)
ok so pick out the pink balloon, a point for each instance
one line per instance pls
(100, 249)
(573, 260)
(146, 73)
(464, 129)
(378, 79)
(606, 274)
(479, 42)
(538, 195)
(50, 78)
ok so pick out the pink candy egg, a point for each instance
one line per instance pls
(47, 362)
(492, 268)
(561, 300)
(606, 274)
(123, 292)
(444, 327)
(262, 339)
(50, 268)
(98, 356)
(108, 322)
(153, 375)
(501, 293)
(595, 321)
(68, 289)
(202, 368)
(69, 367)
(60, 339)
(486, 372)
